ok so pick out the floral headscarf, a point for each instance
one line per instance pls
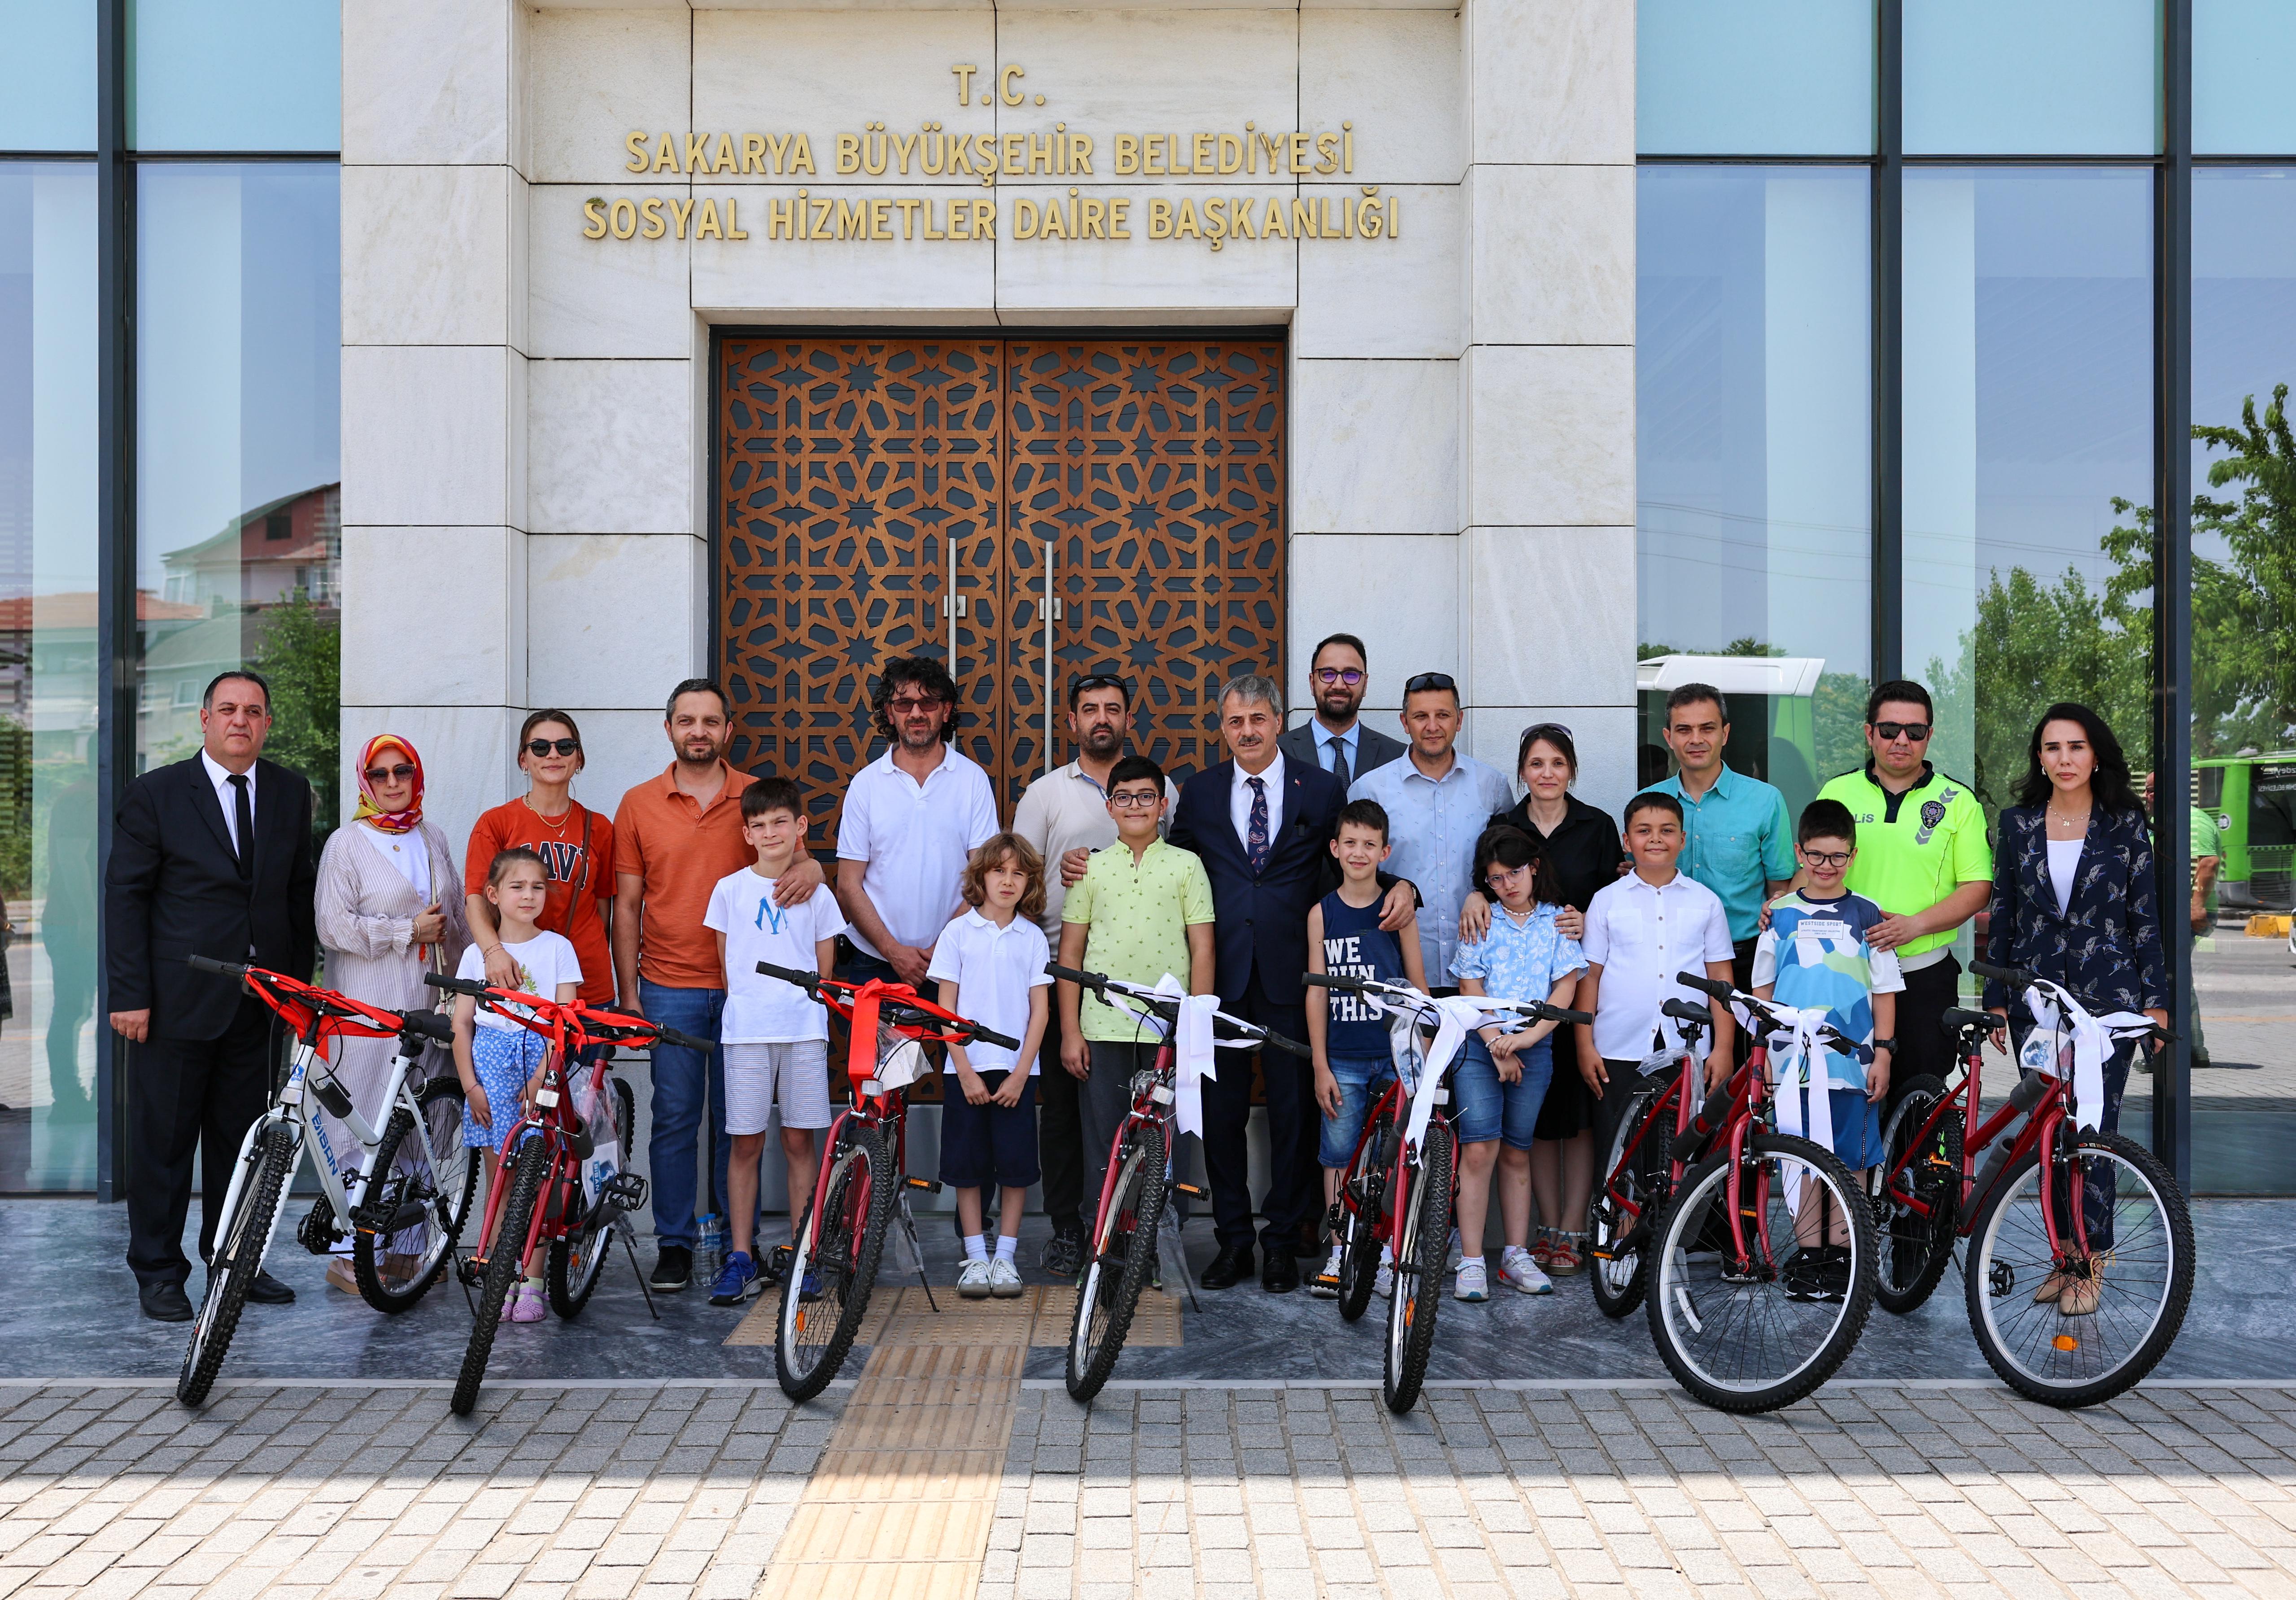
(371, 813)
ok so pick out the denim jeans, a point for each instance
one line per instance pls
(683, 1080)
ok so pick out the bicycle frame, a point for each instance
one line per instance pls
(1679, 1096)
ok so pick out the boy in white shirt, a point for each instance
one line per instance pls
(776, 1039)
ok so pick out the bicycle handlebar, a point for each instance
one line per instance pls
(1168, 1005)
(208, 964)
(590, 1020)
(811, 983)
(1536, 1010)
(1729, 994)
(2022, 977)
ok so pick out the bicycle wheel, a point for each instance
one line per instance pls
(1425, 1230)
(240, 1246)
(418, 1202)
(505, 1261)
(1915, 1246)
(1122, 1260)
(1756, 1334)
(1623, 1215)
(575, 1261)
(837, 1253)
(2143, 1279)
(1363, 1199)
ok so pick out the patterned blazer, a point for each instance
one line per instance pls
(2107, 943)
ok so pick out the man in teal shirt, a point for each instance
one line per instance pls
(1740, 840)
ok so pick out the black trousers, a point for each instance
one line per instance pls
(1923, 1046)
(1294, 1126)
(1060, 1132)
(182, 1095)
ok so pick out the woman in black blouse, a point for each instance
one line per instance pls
(1583, 844)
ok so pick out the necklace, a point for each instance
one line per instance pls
(557, 825)
(2064, 824)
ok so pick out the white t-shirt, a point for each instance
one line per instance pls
(1642, 936)
(761, 1009)
(2064, 867)
(994, 970)
(914, 838)
(545, 962)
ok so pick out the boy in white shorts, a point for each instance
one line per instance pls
(776, 1037)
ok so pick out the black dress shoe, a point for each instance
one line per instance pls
(1230, 1268)
(268, 1291)
(165, 1302)
(1279, 1273)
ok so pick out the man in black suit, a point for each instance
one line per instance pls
(1335, 738)
(1263, 825)
(209, 857)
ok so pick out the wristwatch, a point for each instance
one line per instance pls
(1889, 1045)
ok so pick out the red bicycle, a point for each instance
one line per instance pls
(2080, 1258)
(564, 1180)
(834, 1250)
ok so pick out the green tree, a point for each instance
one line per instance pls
(302, 658)
(2244, 606)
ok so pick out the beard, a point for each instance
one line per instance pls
(1101, 742)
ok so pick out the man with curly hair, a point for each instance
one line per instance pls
(911, 818)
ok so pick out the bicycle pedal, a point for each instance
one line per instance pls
(469, 1270)
(929, 1185)
(1198, 1192)
(408, 1214)
(626, 1191)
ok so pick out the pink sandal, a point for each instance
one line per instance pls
(528, 1303)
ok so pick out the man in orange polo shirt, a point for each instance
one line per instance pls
(674, 836)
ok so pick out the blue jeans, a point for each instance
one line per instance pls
(1483, 1109)
(683, 1080)
(1362, 1080)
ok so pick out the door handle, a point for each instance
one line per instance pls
(952, 605)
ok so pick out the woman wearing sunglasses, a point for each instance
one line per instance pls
(387, 912)
(577, 847)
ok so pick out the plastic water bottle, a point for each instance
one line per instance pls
(712, 1226)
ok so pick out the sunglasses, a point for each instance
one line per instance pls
(909, 705)
(1914, 732)
(1540, 730)
(378, 774)
(542, 747)
(1100, 680)
(1348, 676)
(1429, 680)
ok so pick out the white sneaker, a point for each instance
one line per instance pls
(1474, 1281)
(977, 1281)
(1385, 1281)
(1004, 1279)
(1326, 1285)
(1517, 1269)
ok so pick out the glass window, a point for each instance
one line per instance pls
(238, 465)
(2241, 103)
(236, 75)
(2243, 670)
(1754, 499)
(47, 673)
(1756, 77)
(48, 75)
(2032, 76)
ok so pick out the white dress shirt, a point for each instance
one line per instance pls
(1641, 935)
(1065, 810)
(220, 777)
(915, 839)
(1239, 804)
(996, 970)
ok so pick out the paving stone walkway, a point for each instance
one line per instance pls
(600, 1493)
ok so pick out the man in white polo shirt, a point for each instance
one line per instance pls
(1641, 930)
(1065, 815)
(910, 819)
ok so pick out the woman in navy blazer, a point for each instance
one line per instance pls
(2074, 902)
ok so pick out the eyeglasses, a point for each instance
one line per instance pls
(909, 705)
(1349, 676)
(1429, 680)
(542, 747)
(1134, 800)
(1499, 875)
(378, 774)
(1912, 732)
(1827, 858)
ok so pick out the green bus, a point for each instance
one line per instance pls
(2253, 799)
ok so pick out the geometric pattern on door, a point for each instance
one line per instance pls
(866, 488)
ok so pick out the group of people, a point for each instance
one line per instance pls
(1329, 848)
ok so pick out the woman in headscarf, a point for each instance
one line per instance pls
(390, 909)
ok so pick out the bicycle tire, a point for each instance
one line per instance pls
(1142, 1178)
(1672, 1287)
(576, 1258)
(1618, 1278)
(232, 1270)
(1913, 1250)
(505, 1259)
(1411, 1312)
(1988, 1258)
(447, 1176)
(843, 1254)
(1359, 1243)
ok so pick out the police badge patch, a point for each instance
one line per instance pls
(1933, 814)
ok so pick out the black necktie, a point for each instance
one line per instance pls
(243, 819)
(1339, 762)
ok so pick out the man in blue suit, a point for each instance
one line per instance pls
(1263, 828)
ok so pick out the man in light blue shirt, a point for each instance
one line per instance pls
(1438, 801)
(1740, 841)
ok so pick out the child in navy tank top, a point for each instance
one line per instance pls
(1353, 1059)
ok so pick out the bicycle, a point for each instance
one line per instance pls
(1396, 1195)
(561, 1177)
(1745, 1312)
(403, 1229)
(1124, 1244)
(2024, 1213)
(831, 1266)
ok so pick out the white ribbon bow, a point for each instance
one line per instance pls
(2094, 1040)
(1456, 1014)
(1192, 1054)
(1802, 1064)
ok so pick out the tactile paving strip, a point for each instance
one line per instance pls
(1040, 1318)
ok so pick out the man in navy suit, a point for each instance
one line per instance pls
(1263, 828)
